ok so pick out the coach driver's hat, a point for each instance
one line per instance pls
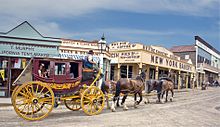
(90, 52)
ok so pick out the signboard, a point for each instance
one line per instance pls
(77, 57)
(129, 56)
(151, 59)
(23, 50)
(157, 60)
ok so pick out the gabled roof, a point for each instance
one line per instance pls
(183, 48)
(25, 29)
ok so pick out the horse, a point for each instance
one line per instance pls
(108, 87)
(128, 86)
(162, 86)
(167, 85)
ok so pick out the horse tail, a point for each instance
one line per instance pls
(118, 89)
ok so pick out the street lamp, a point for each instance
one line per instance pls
(102, 48)
(102, 44)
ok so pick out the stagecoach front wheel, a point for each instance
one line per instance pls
(33, 100)
(73, 104)
(14, 91)
(92, 100)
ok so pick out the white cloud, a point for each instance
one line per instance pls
(41, 14)
(73, 8)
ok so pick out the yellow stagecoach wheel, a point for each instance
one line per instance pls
(33, 100)
(73, 104)
(92, 100)
(13, 93)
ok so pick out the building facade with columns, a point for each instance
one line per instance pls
(129, 59)
(78, 49)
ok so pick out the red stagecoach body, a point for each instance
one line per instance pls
(37, 92)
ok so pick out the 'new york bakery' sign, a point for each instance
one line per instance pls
(166, 62)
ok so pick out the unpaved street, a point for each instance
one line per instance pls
(192, 109)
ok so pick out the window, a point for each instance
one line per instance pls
(44, 69)
(186, 57)
(130, 72)
(123, 71)
(74, 70)
(112, 73)
(60, 68)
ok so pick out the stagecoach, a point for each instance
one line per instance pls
(65, 80)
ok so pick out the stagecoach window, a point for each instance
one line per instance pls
(60, 68)
(44, 69)
(74, 70)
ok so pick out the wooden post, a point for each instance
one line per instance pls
(187, 80)
(148, 72)
(118, 72)
(179, 72)
(127, 71)
(157, 73)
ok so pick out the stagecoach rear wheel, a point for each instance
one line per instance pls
(92, 100)
(33, 100)
(73, 104)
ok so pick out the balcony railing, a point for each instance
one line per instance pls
(207, 67)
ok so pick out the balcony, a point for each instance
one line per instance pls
(207, 67)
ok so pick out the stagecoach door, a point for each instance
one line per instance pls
(60, 71)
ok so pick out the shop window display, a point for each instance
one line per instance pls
(4, 72)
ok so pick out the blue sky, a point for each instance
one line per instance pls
(152, 22)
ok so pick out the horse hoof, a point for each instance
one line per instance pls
(125, 109)
(113, 110)
(171, 99)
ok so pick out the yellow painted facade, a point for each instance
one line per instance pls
(136, 57)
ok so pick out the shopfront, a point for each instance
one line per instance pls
(128, 60)
(17, 47)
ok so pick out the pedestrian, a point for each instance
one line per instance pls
(143, 74)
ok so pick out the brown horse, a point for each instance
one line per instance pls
(128, 86)
(108, 87)
(162, 86)
(167, 86)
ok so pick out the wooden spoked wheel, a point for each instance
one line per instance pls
(92, 100)
(73, 104)
(14, 91)
(33, 100)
